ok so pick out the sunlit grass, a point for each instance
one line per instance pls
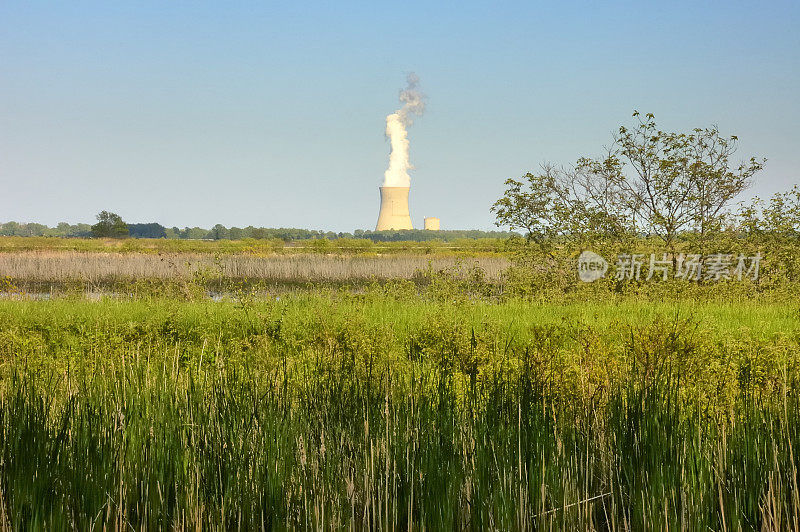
(387, 409)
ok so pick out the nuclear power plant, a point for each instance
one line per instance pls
(394, 214)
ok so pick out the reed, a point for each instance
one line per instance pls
(337, 410)
(103, 268)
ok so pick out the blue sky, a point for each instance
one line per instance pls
(272, 114)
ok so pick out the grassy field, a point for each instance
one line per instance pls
(390, 408)
(469, 247)
(255, 385)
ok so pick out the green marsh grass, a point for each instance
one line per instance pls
(379, 410)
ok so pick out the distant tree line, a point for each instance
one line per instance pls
(111, 225)
(63, 230)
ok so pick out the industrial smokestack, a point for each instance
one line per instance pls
(394, 209)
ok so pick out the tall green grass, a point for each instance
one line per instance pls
(383, 412)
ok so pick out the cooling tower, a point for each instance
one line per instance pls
(394, 209)
(431, 223)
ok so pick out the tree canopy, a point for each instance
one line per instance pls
(109, 225)
(649, 181)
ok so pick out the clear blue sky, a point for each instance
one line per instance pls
(272, 114)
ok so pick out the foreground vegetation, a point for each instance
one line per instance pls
(395, 409)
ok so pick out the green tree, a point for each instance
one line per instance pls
(194, 233)
(662, 183)
(10, 229)
(780, 217)
(236, 233)
(64, 229)
(218, 232)
(151, 230)
(109, 225)
(584, 202)
(534, 205)
(680, 182)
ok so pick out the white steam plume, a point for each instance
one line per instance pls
(413, 104)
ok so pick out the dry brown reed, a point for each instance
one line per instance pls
(61, 266)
